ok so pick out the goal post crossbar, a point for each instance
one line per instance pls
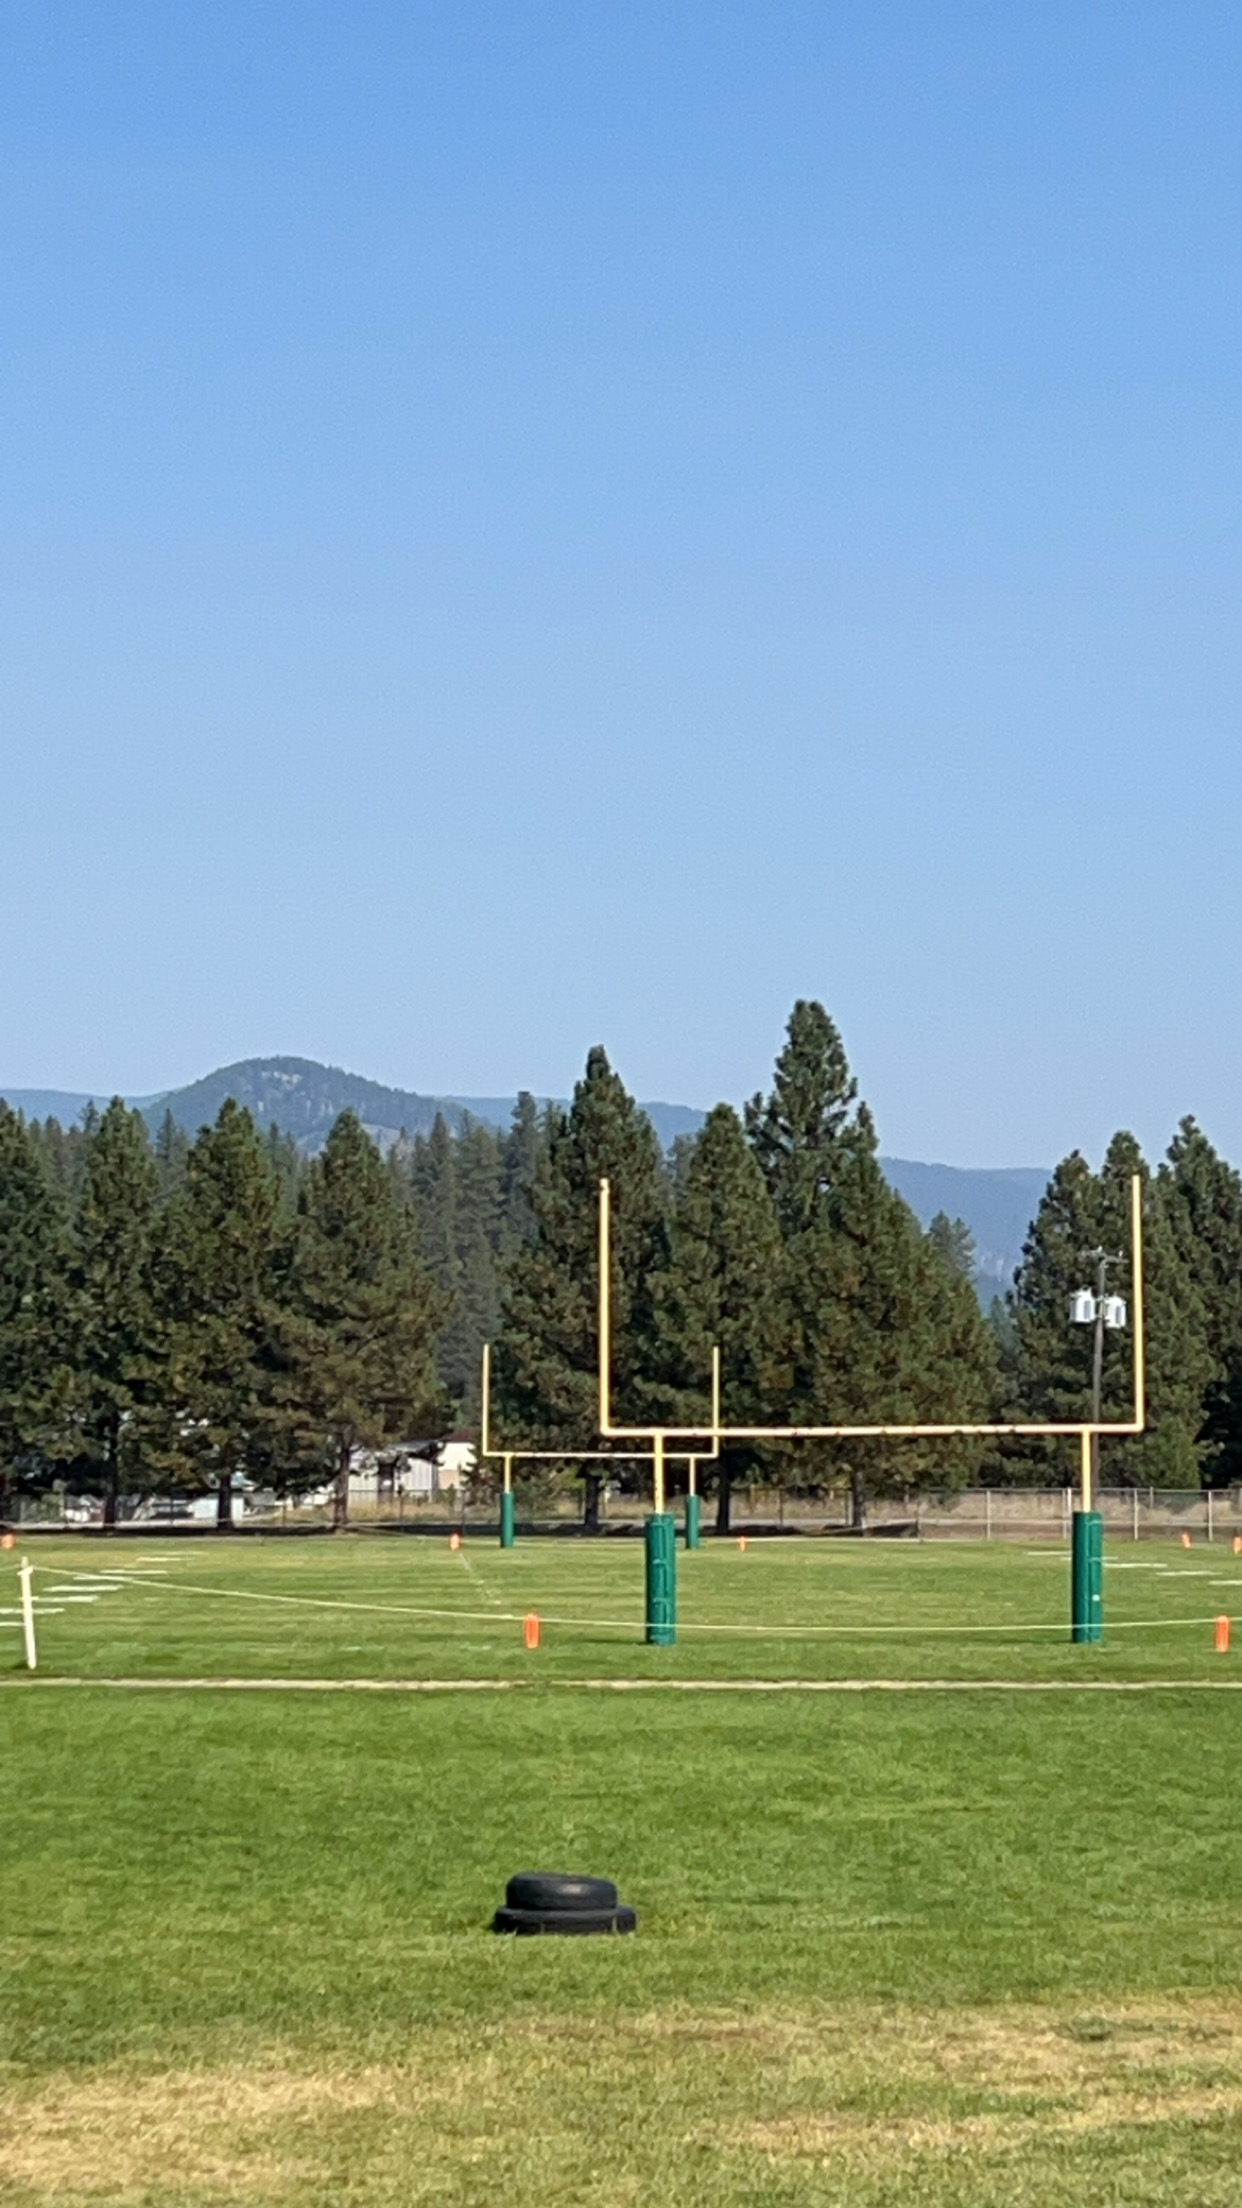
(719, 1432)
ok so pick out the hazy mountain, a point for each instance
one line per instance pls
(998, 1205)
(66, 1105)
(304, 1098)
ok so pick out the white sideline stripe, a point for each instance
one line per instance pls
(34, 1680)
(635, 1625)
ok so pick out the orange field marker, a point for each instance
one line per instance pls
(742, 1543)
(1185, 1540)
(530, 1630)
(454, 1540)
(1222, 1636)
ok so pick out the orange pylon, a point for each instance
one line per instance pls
(1222, 1636)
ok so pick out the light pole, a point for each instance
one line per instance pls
(1098, 1310)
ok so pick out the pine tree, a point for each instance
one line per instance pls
(1081, 1213)
(954, 1245)
(520, 1154)
(478, 1230)
(227, 1356)
(876, 1329)
(1202, 1198)
(1179, 1360)
(33, 1345)
(172, 1149)
(368, 1312)
(547, 1367)
(723, 1286)
(799, 1133)
(115, 1329)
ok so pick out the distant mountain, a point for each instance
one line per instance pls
(304, 1097)
(66, 1105)
(998, 1205)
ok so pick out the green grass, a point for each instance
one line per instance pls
(376, 1607)
(950, 1949)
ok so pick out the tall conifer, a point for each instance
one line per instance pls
(115, 1326)
(34, 1346)
(368, 1312)
(724, 1285)
(219, 1255)
(548, 1363)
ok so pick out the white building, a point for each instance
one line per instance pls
(414, 1469)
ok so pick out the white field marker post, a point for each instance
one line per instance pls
(26, 1575)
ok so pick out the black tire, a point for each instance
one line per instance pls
(549, 1890)
(566, 1923)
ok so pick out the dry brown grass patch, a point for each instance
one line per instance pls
(545, 2108)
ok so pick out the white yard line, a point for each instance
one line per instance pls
(631, 1686)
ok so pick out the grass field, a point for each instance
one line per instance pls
(968, 1944)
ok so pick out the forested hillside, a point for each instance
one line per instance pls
(174, 1311)
(304, 1098)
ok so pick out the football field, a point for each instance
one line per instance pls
(933, 1907)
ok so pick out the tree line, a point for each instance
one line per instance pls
(175, 1313)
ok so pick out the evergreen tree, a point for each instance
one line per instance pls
(432, 1173)
(800, 1133)
(478, 1232)
(227, 1352)
(63, 1154)
(287, 1166)
(1179, 1361)
(1081, 1213)
(33, 1345)
(172, 1149)
(114, 1323)
(368, 1312)
(954, 1245)
(877, 1330)
(547, 1368)
(723, 1286)
(522, 1148)
(1202, 1199)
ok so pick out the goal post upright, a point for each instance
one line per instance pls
(1086, 1577)
(659, 1456)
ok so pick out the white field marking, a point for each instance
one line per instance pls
(21, 1682)
(635, 1625)
(66, 1595)
(479, 1581)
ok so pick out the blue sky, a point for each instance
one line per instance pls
(527, 525)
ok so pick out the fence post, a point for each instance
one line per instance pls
(1210, 1534)
(987, 1513)
(1067, 1494)
(1134, 1511)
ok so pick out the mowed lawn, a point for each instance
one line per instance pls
(958, 1945)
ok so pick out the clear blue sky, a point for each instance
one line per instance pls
(532, 524)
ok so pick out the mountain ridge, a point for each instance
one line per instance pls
(303, 1097)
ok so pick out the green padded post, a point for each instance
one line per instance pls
(661, 1558)
(1087, 1577)
(507, 1521)
(694, 1514)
